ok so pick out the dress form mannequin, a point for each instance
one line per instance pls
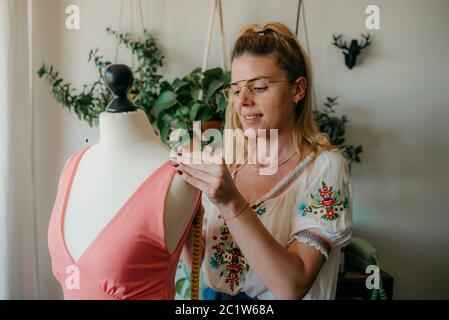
(128, 152)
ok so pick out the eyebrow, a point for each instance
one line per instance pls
(252, 79)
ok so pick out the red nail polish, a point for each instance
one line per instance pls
(179, 172)
(174, 164)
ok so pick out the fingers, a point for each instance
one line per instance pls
(206, 173)
(194, 181)
(209, 155)
(206, 170)
(201, 174)
(207, 165)
(214, 170)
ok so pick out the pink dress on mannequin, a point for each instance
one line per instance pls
(128, 259)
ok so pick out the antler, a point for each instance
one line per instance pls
(340, 43)
(367, 41)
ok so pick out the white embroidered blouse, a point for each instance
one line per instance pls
(312, 206)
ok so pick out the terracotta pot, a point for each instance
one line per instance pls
(212, 124)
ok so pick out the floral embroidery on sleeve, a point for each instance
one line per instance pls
(327, 203)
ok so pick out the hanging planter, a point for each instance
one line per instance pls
(180, 103)
(198, 95)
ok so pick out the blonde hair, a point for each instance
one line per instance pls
(275, 37)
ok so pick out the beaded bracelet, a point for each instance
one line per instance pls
(239, 213)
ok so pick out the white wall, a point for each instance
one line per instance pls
(396, 100)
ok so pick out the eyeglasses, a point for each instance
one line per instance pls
(256, 87)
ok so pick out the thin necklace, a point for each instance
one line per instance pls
(277, 165)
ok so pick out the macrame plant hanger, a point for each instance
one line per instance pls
(215, 6)
(198, 220)
(298, 15)
(133, 4)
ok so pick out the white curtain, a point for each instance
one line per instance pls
(18, 253)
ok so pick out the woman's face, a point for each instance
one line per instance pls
(273, 109)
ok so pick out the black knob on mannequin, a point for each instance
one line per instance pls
(119, 79)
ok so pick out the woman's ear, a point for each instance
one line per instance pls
(300, 89)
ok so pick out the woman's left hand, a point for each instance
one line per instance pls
(212, 177)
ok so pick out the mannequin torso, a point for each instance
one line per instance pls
(109, 173)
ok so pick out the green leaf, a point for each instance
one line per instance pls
(41, 71)
(205, 114)
(184, 110)
(214, 86)
(180, 285)
(194, 111)
(196, 71)
(215, 73)
(196, 94)
(168, 118)
(151, 118)
(179, 83)
(181, 125)
(222, 105)
(160, 124)
(358, 149)
(166, 100)
(165, 131)
(338, 141)
(226, 77)
(86, 99)
(57, 82)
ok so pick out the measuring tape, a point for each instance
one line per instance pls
(196, 254)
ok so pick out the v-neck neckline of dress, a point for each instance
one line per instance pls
(110, 222)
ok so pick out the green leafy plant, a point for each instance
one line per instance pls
(195, 97)
(183, 282)
(93, 98)
(335, 128)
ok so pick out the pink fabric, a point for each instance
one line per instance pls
(128, 258)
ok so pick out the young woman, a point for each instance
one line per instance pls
(273, 236)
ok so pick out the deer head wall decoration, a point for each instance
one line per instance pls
(353, 50)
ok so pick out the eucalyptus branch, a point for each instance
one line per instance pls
(335, 129)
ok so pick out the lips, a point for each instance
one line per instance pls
(252, 116)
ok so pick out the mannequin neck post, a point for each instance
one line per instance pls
(125, 128)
